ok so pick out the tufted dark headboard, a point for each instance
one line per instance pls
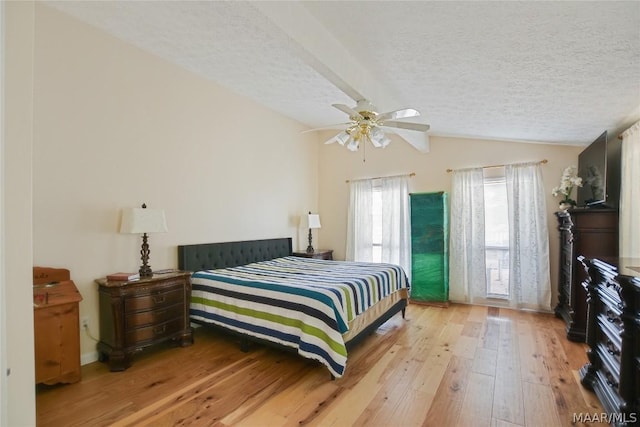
(209, 256)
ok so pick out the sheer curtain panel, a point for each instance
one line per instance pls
(360, 222)
(467, 266)
(529, 279)
(630, 193)
(396, 230)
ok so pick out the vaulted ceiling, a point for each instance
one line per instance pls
(554, 72)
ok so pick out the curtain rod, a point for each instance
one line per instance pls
(499, 166)
(380, 177)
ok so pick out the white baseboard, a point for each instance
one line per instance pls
(87, 358)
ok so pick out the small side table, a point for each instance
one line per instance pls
(320, 254)
(138, 313)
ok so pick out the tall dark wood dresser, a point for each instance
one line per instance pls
(591, 233)
(613, 336)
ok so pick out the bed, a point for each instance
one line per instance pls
(319, 308)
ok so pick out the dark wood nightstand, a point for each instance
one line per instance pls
(321, 254)
(139, 313)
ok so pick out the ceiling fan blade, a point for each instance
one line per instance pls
(331, 140)
(409, 126)
(419, 140)
(398, 114)
(348, 110)
(340, 138)
(336, 126)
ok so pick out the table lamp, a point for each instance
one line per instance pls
(143, 221)
(313, 220)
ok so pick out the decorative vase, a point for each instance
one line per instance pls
(566, 204)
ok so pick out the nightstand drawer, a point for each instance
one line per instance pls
(141, 336)
(154, 300)
(152, 317)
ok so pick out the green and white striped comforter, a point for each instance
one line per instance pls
(302, 303)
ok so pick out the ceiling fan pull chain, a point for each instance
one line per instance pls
(364, 152)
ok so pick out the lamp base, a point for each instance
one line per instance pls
(145, 272)
(145, 269)
(310, 249)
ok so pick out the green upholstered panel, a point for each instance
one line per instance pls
(429, 247)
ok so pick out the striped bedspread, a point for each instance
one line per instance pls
(302, 303)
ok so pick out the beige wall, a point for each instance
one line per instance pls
(115, 127)
(18, 394)
(337, 165)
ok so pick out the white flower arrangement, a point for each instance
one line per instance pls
(569, 180)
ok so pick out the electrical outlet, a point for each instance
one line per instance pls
(84, 322)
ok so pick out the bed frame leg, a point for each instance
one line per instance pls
(403, 312)
(244, 345)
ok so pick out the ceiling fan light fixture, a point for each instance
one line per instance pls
(376, 133)
(374, 141)
(352, 145)
(378, 138)
(342, 137)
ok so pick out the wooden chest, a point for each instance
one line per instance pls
(56, 326)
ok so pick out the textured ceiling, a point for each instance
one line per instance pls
(557, 72)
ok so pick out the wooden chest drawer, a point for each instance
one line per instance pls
(602, 221)
(612, 315)
(609, 370)
(143, 336)
(152, 317)
(609, 339)
(155, 300)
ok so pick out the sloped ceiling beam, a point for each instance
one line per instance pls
(325, 54)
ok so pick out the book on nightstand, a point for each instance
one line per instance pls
(122, 277)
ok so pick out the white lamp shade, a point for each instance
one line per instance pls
(143, 220)
(314, 221)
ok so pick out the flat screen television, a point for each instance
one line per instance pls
(599, 168)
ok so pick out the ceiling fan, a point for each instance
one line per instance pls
(366, 124)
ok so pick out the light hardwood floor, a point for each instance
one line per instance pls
(456, 366)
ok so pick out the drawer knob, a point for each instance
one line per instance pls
(158, 299)
(612, 318)
(160, 329)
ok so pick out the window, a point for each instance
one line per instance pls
(481, 214)
(496, 217)
(378, 221)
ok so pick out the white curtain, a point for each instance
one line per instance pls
(630, 193)
(529, 281)
(467, 267)
(396, 234)
(396, 231)
(360, 221)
